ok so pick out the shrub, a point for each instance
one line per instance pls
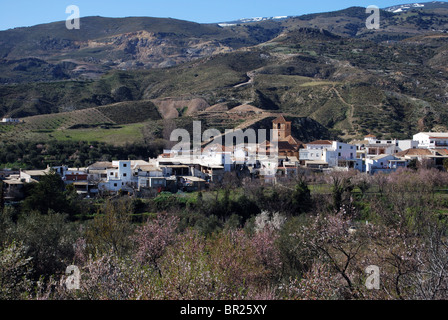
(111, 229)
(153, 238)
(48, 240)
(15, 272)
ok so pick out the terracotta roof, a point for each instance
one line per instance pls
(280, 119)
(414, 152)
(370, 136)
(320, 142)
(293, 141)
(442, 152)
(285, 145)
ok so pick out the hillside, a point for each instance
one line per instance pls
(50, 52)
(327, 67)
(103, 44)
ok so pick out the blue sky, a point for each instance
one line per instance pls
(20, 13)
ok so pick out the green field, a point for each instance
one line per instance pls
(117, 135)
(116, 124)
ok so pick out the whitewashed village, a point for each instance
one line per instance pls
(175, 171)
(178, 152)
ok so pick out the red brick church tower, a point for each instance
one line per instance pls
(283, 127)
(288, 145)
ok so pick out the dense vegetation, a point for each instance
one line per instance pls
(36, 155)
(307, 238)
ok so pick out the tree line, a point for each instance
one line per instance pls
(308, 237)
(37, 155)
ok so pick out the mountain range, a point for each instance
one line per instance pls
(329, 68)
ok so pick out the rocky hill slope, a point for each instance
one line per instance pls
(327, 67)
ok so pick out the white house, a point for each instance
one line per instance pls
(371, 147)
(268, 168)
(150, 177)
(314, 152)
(209, 163)
(217, 155)
(431, 139)
(10, 120)
(327, 153)
(118, 177)
(376, 146)
(80, 178)
(345, 151)
(403, 145)
(384, 163)
(29, 176)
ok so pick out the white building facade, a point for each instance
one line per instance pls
(431, 139)
(331, 153)
(119, 177)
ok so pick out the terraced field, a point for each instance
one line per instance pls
(118, 123)
(66, 120)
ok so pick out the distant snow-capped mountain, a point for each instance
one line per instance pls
(404, 7)
(249, 20)
(411, 6)
(394, 9)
